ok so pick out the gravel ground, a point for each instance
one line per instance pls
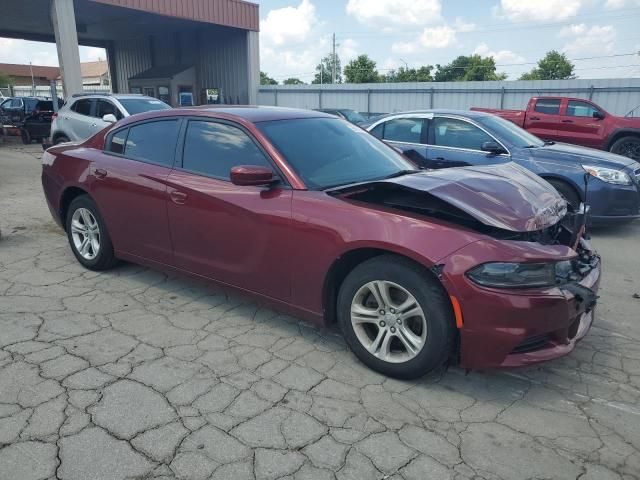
(136, 374)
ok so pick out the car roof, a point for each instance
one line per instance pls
(441, 111)
(253, 114)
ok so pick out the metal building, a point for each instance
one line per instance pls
(181, 51)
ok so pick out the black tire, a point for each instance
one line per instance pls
(628, 146)
(105, 258)
(431, 297)
(26, 137)
(567, 192)
(61, 139)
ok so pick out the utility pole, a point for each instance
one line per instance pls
(333, 58)
(33, 82)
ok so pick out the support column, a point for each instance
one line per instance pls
(63, 18)
(253, 67)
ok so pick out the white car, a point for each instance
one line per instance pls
(84, 115)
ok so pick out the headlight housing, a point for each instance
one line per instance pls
(518, 275)
(609, 175)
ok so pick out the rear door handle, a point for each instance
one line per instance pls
(534, 118)
(567, 121)
(178, 198)
(100, 173)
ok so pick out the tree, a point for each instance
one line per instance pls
(469, 68)
(325, 68)
(361, 70)
(293, 81)
(404, 74)
(553, 66)
(5, 80)
(266, 79)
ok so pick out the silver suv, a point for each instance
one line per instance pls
(84, 115)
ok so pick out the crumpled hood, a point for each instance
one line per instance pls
(563, 152)
(504, 196)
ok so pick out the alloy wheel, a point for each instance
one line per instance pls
(388, 321)
(85, 232)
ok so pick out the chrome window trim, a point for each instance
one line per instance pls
(431, 116)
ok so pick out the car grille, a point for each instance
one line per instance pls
(531, 344)
(636, 172)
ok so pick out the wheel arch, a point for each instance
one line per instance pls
(618, 134)
(567, 181)
(68, 195)
(346, 262)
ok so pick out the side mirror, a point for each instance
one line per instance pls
(252, 175)
(598, 115)
(492, 147)
(109, 118)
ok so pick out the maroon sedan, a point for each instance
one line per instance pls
(479, 266)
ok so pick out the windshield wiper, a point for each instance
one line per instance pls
(393, 175)
(399, 174)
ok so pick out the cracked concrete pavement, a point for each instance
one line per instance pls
(136, 374)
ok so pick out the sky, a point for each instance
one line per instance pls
(296, 34)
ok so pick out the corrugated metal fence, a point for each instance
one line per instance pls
(617, 96)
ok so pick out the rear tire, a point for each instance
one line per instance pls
(88, 236)
(628, 146)
(405, 341)
(567, 192)
(61, 139)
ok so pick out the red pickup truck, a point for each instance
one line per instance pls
(577, 121)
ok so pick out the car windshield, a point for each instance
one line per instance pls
(329, 152)
(140, 105)
(353, 116)
(508, 132)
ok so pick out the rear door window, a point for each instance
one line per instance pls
(153, 142)
(212, 149)
(548, 106)
(404, 130)
(82, 107)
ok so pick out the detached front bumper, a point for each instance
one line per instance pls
(512, 328)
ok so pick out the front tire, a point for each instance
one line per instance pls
(396, 317)
(628, 146)
(567, 192)
(88, 235)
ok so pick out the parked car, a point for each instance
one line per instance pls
(84, 115)
(577, 121)
(448, 138)
(312, 215)
(349, 115)
(30, 117)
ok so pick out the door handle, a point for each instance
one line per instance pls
(534, 118)
(100, 173)
(567, 121)
(178, 198)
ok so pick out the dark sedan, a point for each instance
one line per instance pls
(480, 266)
(448, 138)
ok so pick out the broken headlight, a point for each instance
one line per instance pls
(515, 275)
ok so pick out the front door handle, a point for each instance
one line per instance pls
(100, 173)
(567, 121)
(178, 198)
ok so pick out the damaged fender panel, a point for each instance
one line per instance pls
(506, 197)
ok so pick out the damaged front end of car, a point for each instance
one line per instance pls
(528, 287)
